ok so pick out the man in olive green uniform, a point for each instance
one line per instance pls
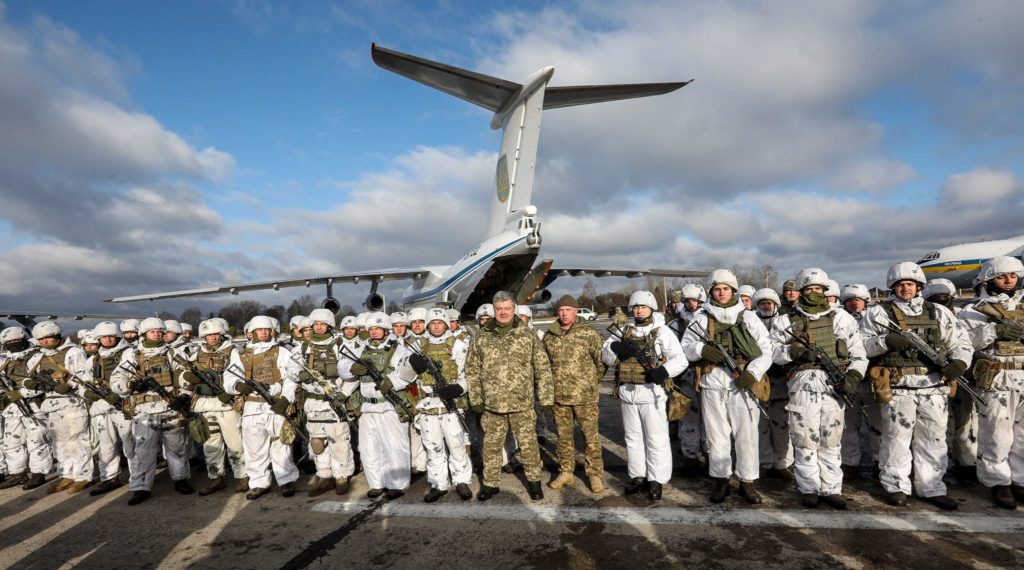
(506, 363)
(575, 352)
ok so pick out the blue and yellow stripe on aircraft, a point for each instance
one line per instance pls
(958, 265)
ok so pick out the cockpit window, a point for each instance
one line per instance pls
(930, 257)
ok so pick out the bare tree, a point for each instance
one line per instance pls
(237, 314)
(192, 316)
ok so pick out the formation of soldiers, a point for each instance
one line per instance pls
(817, 386)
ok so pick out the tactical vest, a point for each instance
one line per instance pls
(17, 368)
(630, 369)
(380, 357)
(52, 365)
(719, 332)
(1009, 347)
(261, 367)
(215, 361)
(821, 333)
(441, 352)
(321, 357)
(158, 366)
(103, 366)
(926, 325)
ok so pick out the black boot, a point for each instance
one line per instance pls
(749, 492)
(1018, 493)
(809, 500)
(635, 485)
(434, 494)
(535, 490)
(139, 496)
(654, 491)
(393, 494)
(897, 499)
(942, 501)
(465, 493)
(184, 487)
(835, 501)
(721, 489)
(1003, 497)
(486, 493)
(106, 487)
(14, 481)
(35, 480)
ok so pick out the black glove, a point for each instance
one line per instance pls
(243, 388)
(189, 377)
(477, 409)
(91, 396)
(63, 388)
(32, 384)
(656, 376)
(180, 404)
(114, 400)
(953, 370)
(745, 380)
(623, 349)
(851, 380)
(358, 369)
(204, 390)
(280, 407)
(800, 353)
(419, 363)
(448, 392)
(225, 397)
(1011, 330)
(896, 342)
(304, 377)
(712, 354)
(136, 386)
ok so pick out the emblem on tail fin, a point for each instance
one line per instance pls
(501, 179)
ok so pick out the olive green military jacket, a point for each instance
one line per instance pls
(575, 362)
(505, 366)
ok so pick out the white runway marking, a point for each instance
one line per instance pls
(920, 522)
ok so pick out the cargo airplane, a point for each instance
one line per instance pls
(960, 263)
(505, 259)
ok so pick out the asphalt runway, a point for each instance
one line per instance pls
(572, 528)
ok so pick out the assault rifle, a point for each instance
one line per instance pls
(334, 399)
(181, 404)
(207, 377)
(730, 363)
(391, 396)
(263, 391)
(103, 391)
(22, 405)
(990, 311)
(646, 358)
(434, 367)
(929, 352)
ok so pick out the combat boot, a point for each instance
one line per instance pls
(138, 496)
(393, 494)
(635, 485)
(374, 493)
(942, 501)
(242, 485)
(835, 501)
(564, 479)
(434, 494)
(654, 491)
(897, 499)
(721, 489)
(62, 484)
(850, 472)
(320, 486)
(256, 492)
(596, 484)
(1018, 493)
(809, 500)
(487, 492)
(534, 489)
(1003, 497)
(465, 493)
(341, 486)
(78, 487)
(288, 490)
(214, 486)
(184, 487)
(749, 492)
(34, 481)
(14, 481)
(106, 487)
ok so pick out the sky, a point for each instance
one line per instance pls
(153, 146)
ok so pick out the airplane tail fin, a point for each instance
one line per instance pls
(517, 109)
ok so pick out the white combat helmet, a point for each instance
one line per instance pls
(645, 298)
(399, 318)
(275, 325)
(261, 322)
(723, 276)
(939, 286)
(905, 271)
(1000, 265)
(323, 316)
(211, 326)
(172, 326)
(130, 325)
(855, 291)
(349, 322)
(486, 309)
(223, 323)
(524, 311)
(418, 314)
(152, 323)
(106, 328)
(437, 315)
(694, 291)
(812, 276)
(766, 293)
(378, 319)
(296, 321)
(45, 329)
(453, 315)
(247, 328)
(13, 334)
(747, 291)
(185, 327)
(833, 288)
(89, 337)
(307, 323)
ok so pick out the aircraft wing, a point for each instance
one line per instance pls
(555, 273)
(20, 315)
(377, 276)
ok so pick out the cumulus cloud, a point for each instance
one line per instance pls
(872, 175)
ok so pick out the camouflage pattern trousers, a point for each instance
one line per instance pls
(586, 417)
(524, 428)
